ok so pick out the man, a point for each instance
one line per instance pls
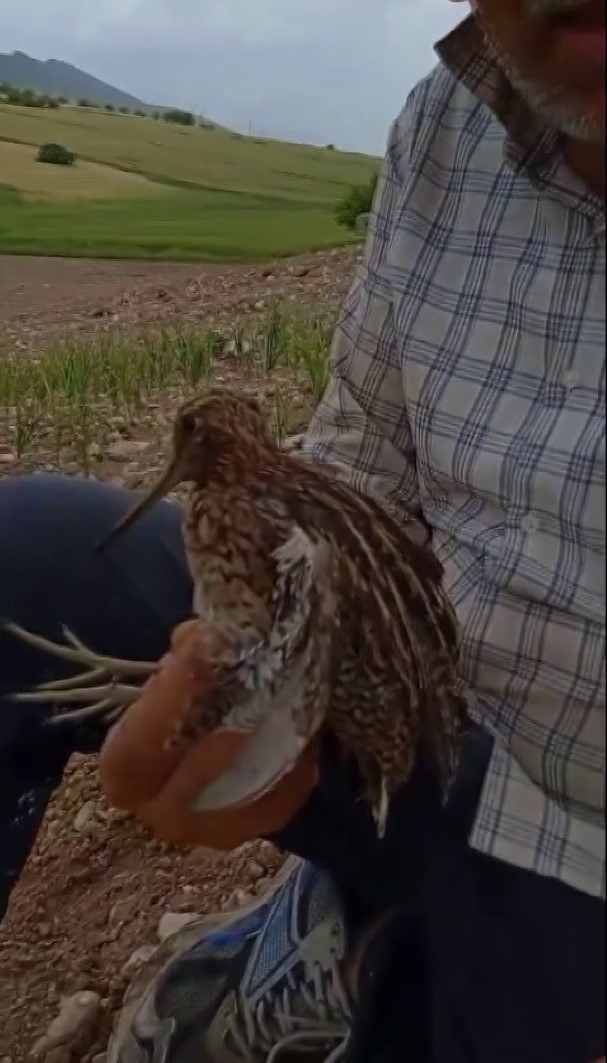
(468, 390)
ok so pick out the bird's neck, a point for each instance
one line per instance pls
(248, 467)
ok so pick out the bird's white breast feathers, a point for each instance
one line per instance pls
(275, 679)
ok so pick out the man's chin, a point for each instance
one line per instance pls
(575, 112)
(583, 119)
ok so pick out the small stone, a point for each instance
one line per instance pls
(233, 348)
(95, 451)
(84, 815)
(139, 957)
(295, 442)
(238, 899)
(126, 449)
(6, 458)
(78, 1014)
(119, 912)
(172, 922)
(256, 871)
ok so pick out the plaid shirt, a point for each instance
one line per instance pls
(468, 392)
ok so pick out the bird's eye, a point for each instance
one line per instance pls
(188, 422)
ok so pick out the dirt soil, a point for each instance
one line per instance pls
(42, 299)
(29, 285)
(85, 914)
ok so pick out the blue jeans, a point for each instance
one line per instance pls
(481, 962)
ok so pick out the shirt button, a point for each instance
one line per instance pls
(530, 523)
(570, 379)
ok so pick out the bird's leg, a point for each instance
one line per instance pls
(104, 690)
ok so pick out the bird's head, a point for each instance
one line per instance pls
(218, 429)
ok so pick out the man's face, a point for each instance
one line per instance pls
(553, 52)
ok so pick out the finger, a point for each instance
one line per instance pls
(137, 756)
(170, 818)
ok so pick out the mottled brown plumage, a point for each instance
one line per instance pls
(320, 592)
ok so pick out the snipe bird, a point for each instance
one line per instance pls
(331, 614)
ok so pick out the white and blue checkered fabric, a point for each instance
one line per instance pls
(468, 392)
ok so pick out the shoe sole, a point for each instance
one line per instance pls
(178, 942)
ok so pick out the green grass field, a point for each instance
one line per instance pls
(68, 184)
(143, 188)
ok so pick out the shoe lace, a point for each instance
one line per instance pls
(301, 1016)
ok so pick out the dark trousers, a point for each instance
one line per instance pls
(481, 962)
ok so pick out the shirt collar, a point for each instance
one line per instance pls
(530, 143)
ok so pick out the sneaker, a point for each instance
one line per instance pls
(261, 985)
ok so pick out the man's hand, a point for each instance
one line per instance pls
(141, 774)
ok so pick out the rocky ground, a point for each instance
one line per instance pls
(97, 894)
(41, 299)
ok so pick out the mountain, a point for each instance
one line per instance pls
(55, 78)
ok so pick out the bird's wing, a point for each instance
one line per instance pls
(279, 688)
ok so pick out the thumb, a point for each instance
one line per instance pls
(137, 757)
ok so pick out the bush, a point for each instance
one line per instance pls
(123, 110)
(84, 102)
(358, 200)
(179, 117)
(109, 107)
(26, 97)
(139, 113)
(56, 154)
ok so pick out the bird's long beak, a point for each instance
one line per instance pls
(170, 478)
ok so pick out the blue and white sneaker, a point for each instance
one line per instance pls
(261, 985)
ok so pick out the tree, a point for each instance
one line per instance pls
(179, 117)
(56, 154)
(357, 201)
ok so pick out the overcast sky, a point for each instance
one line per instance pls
(317, 70)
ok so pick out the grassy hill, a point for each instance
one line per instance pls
(53, 77)
(201, 193)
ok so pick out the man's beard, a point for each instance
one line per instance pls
(549, 103)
